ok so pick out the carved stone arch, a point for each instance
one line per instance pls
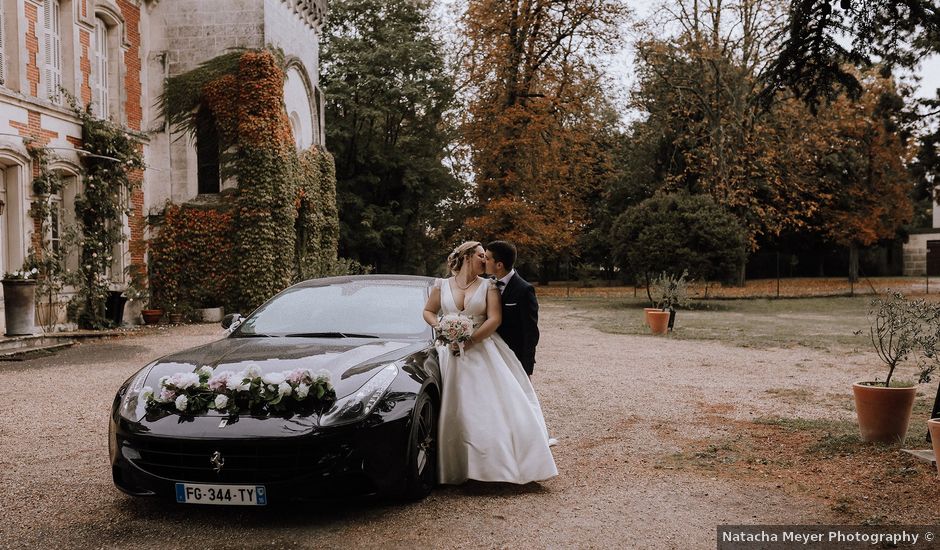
(110, 13)
(293, 64)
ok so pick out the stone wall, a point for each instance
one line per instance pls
(915, 253)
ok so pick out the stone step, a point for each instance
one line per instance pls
(39, 346)
(923, 454)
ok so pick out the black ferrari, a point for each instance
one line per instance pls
(377, 434)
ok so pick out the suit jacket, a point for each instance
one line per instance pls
(520, 327)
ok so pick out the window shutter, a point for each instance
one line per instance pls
(100, 96)
(3, 55)
(52, 70)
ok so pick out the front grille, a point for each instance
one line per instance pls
(246, 461)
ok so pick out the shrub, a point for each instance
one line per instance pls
(677, 232)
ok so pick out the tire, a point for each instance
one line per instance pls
(421, 469)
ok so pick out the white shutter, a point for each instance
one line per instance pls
(52, 69)
(3, 56)
(99, 86)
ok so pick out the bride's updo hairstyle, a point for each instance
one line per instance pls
(456, 258)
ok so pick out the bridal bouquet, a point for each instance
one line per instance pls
(454, 329)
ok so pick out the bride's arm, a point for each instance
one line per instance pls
(494, 316)
(432, 306)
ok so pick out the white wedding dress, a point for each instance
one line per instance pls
(491, 425)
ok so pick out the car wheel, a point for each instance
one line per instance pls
(421, 474)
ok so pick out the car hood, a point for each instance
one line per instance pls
(350, 362)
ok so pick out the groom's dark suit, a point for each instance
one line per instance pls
(520, 321)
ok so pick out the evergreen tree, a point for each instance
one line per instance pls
(387, 95)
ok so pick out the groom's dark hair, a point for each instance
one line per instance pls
(503, 251)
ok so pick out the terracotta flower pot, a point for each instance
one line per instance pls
(151, 316)
(658, 321)
(176, 318)
(646, 314)
(883, 413)
(934, 426)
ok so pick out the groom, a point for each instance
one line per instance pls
(520, 307)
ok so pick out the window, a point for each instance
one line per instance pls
(52, 41)
(207, 153)
(100, 99)
(55, 224)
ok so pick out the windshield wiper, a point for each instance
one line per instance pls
(254, 335)
(330, 335)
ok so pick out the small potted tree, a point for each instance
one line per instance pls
(900, 330)
(671, 292)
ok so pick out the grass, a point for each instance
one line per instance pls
(818, 323)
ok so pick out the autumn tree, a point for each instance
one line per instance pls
(700, 90)
(537, 110)
(862, 166)
(387, 94)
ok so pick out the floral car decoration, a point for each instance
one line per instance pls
(288, 392)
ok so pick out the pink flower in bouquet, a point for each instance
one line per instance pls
(454, 329)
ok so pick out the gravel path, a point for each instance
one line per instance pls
(621, 406)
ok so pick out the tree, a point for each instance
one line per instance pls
(674, 232)
(701, 90)
(814, 65)
(862, 167)
(537, 112)
(387, 94)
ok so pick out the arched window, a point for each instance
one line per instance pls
(100, 68)
(52, 50)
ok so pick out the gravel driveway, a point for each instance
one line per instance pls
(620, 406)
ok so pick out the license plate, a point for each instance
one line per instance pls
(242, 495)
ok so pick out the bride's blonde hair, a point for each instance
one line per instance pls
(456, 258)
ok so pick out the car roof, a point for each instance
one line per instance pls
(377, 278)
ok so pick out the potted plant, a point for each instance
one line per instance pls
(900, 329)
(671, 292)
(19, 301)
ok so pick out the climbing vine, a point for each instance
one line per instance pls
(47, 259)
(110, 173)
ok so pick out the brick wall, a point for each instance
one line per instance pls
(84, 40)
(131, 13)
(32, 49)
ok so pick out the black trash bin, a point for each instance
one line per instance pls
(114, 307)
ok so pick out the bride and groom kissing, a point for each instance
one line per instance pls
(491, 426)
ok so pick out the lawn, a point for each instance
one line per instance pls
(830, 323)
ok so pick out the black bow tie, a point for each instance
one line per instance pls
(500, 284)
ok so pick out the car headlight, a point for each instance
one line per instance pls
(359, 404)
(132, 407)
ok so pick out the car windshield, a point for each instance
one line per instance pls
(348, 310)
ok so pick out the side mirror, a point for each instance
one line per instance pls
(231, 321)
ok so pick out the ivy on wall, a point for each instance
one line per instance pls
(192, 248)
(284, 221)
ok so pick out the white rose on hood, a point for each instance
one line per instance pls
(181, 403)
(273, 378)
(221, 401)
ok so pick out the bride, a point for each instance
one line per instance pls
(491, 425)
